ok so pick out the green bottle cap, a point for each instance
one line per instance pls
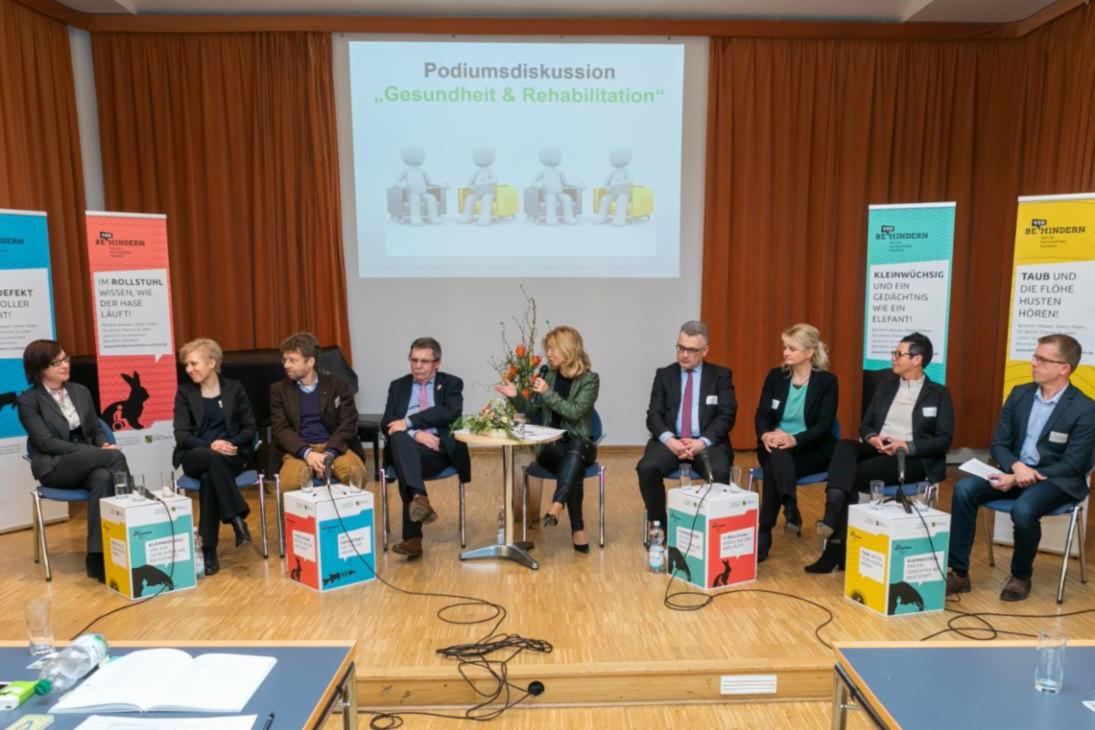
(43, 687)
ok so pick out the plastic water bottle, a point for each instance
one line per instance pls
(502, 526)
(656, 553)
(199, 557)
(73, 663)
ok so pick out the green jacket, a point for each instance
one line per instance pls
(576, 409)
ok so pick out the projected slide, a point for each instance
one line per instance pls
(517, 159)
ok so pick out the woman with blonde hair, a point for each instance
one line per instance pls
(214, 432)
(794, 424)
(564, 398)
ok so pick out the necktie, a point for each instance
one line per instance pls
(423, 397)
(686, 407)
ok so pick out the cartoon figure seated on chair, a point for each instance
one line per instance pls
(415, 183)
(482, 186)
(551, 182)
(617, 188)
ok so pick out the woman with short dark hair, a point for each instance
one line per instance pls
(68, 448)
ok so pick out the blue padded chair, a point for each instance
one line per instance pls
(43, 491)
(246, 478)
(595, 469)
(1076, 522)
(388, 474)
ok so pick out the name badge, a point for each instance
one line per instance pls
(337, 401)
(775, 404)
(1056, 437)
(712, 400)
(930, 411)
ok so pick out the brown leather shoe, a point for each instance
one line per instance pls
(957, 583)
(421, 511)
(411, 547)
(1016, 589)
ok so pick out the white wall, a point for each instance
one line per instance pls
(629, 325)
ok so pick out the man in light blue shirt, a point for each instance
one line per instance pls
(1043, 446)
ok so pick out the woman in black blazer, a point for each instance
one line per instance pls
(214, 431)
(908, 413)
(68, 449)
(794, 425)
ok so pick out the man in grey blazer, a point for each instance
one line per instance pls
(1043, 446)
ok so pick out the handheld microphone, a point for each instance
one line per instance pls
(543, 371)
(328, 466)
(901, 454)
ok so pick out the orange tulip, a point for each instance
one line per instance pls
(524, 393)
(519, 351)
(510, 374)
(535, 360)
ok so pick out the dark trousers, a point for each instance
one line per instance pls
(1031, 503)
(90, 468)
(658, 462)
(219, 497)
(782, 467)
(852, 469)
(414, 464)
(568, 459)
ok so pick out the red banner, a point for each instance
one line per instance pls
(134, 339)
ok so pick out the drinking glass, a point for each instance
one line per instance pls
(686, 475)
(306, 482)
(520, 420)
(121, 483)
(356, 480)
(878, 491)
(1049, 674)
(735, 475)
(39, 629)
(167, 484)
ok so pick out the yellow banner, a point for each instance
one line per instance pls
(1052, 283)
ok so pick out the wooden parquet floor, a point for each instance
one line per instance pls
(602, 612)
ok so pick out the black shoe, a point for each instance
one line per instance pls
(212, 562)
(832, 557)
(581, 548)
(549, 520)
(242, 533)
(95, 567)
(764, 544)
(792, 520)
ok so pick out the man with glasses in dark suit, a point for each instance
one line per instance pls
(692, 409)
(1043, 447)
(421, 407)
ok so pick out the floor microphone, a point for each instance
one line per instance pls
(705, 465)
(901, 454)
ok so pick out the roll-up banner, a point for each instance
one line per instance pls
(909, 252)
(1052, 291)
(26, 313)
(135, 345)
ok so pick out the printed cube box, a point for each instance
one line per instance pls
(895, 559)
(137, 545)
(712, 535)
(325, 533)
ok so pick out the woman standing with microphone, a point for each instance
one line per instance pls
(565, 396)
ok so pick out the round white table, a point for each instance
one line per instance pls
(529, 436)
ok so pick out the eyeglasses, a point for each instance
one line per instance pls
(1039, 360)
(60, 361)
(690, 350)
(898, 354)
(416, 361)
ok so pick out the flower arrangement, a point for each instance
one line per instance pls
(495, 418)
(519, 362)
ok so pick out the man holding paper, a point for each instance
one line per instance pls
(1043, 445)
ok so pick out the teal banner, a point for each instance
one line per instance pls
(909, 254)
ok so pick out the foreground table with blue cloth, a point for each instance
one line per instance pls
(310, 680)
(960, 684)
